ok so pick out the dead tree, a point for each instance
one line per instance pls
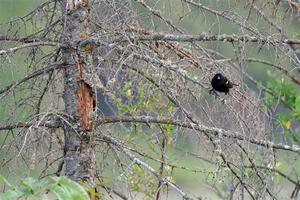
(117, 92)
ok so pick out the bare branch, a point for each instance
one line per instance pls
(241, 23)
(47, 124)
(211, 130)
(25, 39)
(278, 67)
(34, 74)
(159, 15)
(33, 44)
(139, 162)
(149, 119)
(209, 37)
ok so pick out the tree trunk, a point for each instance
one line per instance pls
(78, 97)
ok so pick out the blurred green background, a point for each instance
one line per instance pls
(16, 8)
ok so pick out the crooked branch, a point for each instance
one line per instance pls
(198, 127)
(36, 73)
(211, 130)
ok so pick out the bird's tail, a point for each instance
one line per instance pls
(230, 85)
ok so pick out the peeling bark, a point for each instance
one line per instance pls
(85, 100)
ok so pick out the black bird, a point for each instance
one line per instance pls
(221, 84)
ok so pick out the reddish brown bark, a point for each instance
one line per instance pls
(85, 100)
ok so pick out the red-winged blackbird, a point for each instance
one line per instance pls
(221, 84)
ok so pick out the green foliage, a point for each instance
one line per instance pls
(168, 131)
(142, 99)
(286, 92)
(283, 89)
(142, 181)
(31, 188)
(139, 98)
(297, 107)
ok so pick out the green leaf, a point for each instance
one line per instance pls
(297, 104)
(31, 184)
(9, 195)
(269, 100)
(60, 192)
(66, 187)
(286, 123)
(31, 188)
(284, 116)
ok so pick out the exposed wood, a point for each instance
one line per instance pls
(85, 99)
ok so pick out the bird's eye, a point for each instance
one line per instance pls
(227, 82)
(218, 77)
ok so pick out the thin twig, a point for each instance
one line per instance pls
(139, 162)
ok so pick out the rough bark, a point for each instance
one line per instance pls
(78, 97)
